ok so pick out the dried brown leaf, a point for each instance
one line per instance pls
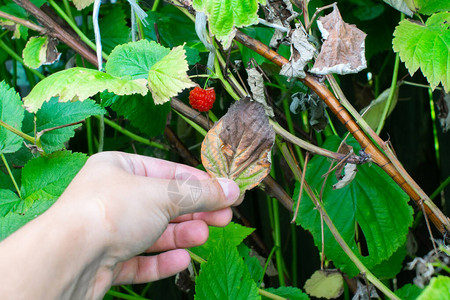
(238, 146)
(301, 53)
(343, 49)
(279, 12)
(256, 83)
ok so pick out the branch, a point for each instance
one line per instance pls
(386, 161)
(23, 22)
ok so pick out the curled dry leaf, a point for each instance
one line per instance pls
(238, 146)
(301, 53)
(343, 49)
(256, 82)
(279, 12)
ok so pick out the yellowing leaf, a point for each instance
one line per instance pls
(238, 146)
(40, 51)
(325, 284)
(168, 76)
(80, 4)
(343, 49)
(80, 84)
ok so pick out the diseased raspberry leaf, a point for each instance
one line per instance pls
(238, 146)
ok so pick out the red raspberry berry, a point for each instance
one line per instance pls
(202, 100)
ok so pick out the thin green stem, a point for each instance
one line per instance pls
(89, 136)
(68, 10)
(17, 58)
(11, 175)
(266, 265)
(440, 188)
(155, 5)
(133, 136)
(129, 290)
(193, 124)
(18, 132)
(225, 83)
(392, 91)
(75, 28)
(124, 296)
(287, 113)
(425, 86)
(101, 133)
(277, 242)
(433, 124)
(294, 255)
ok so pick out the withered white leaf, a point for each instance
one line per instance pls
(301, 53)
(349, 174)
(279, 12)
(343, 50)
(256, 82)
(238, 146)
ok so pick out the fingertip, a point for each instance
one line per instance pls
(230, 189)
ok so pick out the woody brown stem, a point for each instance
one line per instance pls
(388, 164)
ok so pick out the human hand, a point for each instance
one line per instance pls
(124, 205)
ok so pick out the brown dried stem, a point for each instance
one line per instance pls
(386, 161)
(23, 22)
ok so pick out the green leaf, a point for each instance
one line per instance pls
(134, 60)
(225, 15)
(225, 276)
(113, 28)
(35, 52)
(373, 201)
(168, 76)
(233, 234)
(79, 84)
(143, 113)
(51, 174)
(373, 112)
(289, 292)
(43, 181)
(429, 7)
(13, 221)
(53, 114)
(409, 292)
(426, 47)
(8, 201)
(389, 268)
(439, 288)
(11, 113)
(170, 35)
(400, 5)
(254, 266)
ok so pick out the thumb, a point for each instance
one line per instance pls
(189, 195)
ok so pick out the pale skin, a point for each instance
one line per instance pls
(115, 209)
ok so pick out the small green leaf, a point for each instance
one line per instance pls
(53, 114)
(289, 292)
(43, 181)
(79, 84)
(225, 15)
(409, 292)
(426, 47)
(168, 76)
(373, 201)
(35, 52)
(134, 60)
(11, 113)
(113, 28)
(325, 284)
(52, 173)
(252, 262)
(429, 7)
(225, 276)
(13, 221)
(439, 288)
(373, 112)
(143, 114)
(400, 5)
(8, 201)
(233, 234)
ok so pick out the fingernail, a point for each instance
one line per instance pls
(230, 189)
